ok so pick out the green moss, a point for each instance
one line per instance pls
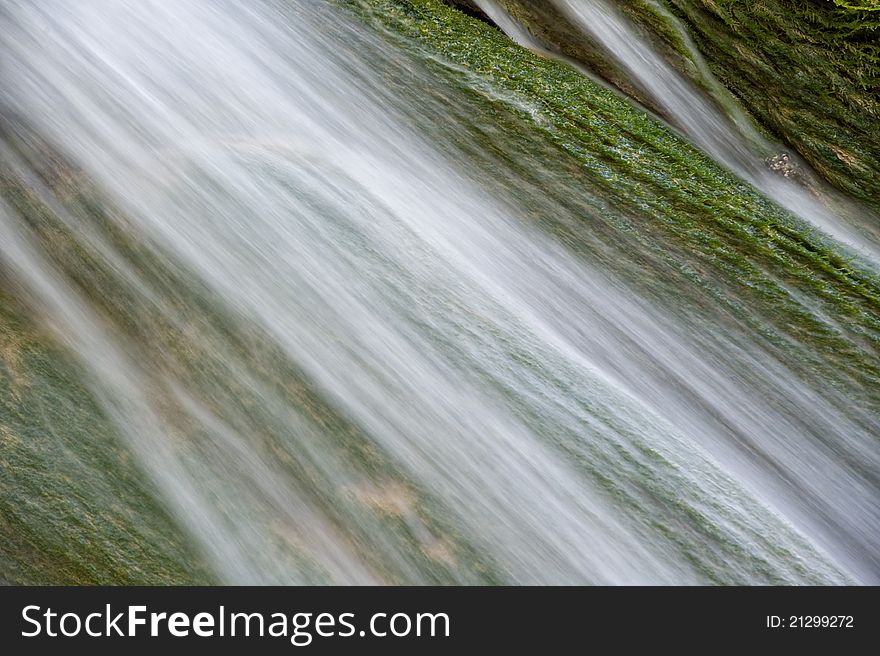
(194, 337)
(693, 231)
(698, 233)
(74, 508)
(809, 71)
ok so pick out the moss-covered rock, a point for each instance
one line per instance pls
(74, 506)
(701, 234)
(807, 71)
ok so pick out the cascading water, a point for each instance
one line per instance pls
(728, 137)
(349, 341)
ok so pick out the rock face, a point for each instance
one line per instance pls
(807, 71)
(571, 165)
(782, 164)
(557, 33)
(788, 167)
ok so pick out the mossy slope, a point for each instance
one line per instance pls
(706, 236)
(808, 71)
(74, 508)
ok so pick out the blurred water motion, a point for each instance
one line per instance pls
(348, 344)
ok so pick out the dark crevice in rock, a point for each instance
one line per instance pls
(471, 9)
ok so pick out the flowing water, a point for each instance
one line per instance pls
(716, 125)
(358, 319)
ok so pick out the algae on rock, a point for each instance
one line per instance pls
(807, 71)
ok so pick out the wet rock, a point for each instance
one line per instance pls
(783, 164)
(788, 167)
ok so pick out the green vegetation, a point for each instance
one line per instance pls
(608, 176)
(807, 70)
(194, 338)
(74, 508)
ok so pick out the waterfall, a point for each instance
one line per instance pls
(348, 341)
(727, 136)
